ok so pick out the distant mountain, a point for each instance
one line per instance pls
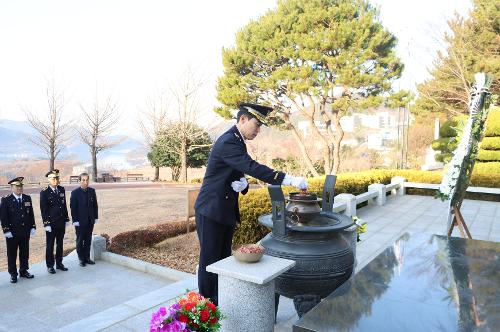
(15, 144)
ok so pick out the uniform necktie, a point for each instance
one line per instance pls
(19, 200)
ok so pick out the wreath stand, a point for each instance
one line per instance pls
(457, 220)
(464, 162)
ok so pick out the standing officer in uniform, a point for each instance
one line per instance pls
(18, 224)
(217, 203)
(83, 203)
(55, 218)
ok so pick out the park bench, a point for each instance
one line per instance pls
(134, 176)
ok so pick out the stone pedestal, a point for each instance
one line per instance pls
(246, 292)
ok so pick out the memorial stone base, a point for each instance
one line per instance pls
(246, 292)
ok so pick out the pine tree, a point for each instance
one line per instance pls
(317, 58)
(472, 46)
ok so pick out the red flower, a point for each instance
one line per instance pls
(183, 318)
(204, 315)
(189, 306)
(195, 326)
(214, 320)
(211, 306)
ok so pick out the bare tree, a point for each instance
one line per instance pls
(187, 109)
(97, 124)
(152, 121)
(51, 130)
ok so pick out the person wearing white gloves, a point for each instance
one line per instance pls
(55, 219)
(84, 212)
(18, 224)
(216, 206)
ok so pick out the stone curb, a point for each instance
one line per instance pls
(145, 267)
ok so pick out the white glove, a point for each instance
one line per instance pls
(96, 221)
(296, 181)
(48, 229)
(76, 223)
(8, 235)
(239, 186)
(33, 232)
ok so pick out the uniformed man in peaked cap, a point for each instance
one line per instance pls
(55, 219)
(217, 203)
(18, 224)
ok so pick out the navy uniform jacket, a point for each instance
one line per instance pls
(53, 207)
(83, 206)
(17, 218)
(228, 162)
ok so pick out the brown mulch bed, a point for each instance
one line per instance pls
(180, 253)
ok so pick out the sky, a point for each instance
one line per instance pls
(133, 50)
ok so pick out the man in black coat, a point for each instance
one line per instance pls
(83, 203)
(55, 219)
(217, 204)
(18, 224)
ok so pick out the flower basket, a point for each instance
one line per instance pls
(191, 313)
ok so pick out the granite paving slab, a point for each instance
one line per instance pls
(49, 302)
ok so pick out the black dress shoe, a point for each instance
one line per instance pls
(82, 263)
(13, 278)
(62, 267)
(27, 275)
(51, 270)
(89, 261)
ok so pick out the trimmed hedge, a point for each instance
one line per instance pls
(453, 126)
(256, 202)
(488, 155)
(149, 236)
(490, 143)
(488, 168)
(445, 144)
(493, 123)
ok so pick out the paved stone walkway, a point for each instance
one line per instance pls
(109, 297)
(49, 302)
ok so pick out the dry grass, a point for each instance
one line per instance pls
(180, 253)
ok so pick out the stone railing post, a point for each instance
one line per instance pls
(350, 201)
(98, 246)
(381, 190)
(401, 190)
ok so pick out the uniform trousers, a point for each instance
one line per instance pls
(83, 241)
(215, 244)
(13, 243)
(57, 235)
